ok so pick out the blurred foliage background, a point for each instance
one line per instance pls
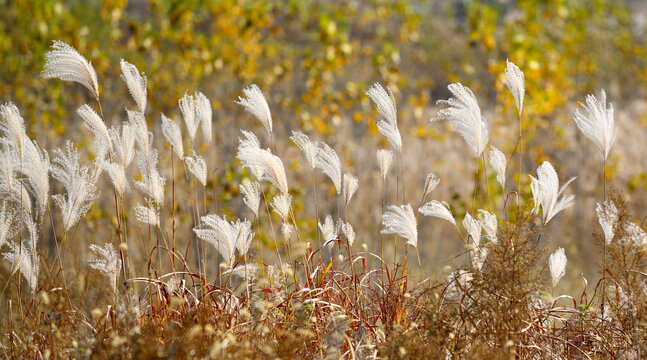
(315, 59)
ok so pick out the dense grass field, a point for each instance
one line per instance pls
(310, 199)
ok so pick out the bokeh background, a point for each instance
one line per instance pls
(315, 59)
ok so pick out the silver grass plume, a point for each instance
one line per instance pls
(489, 225)
(250, 141)
(107, 262)
(350, 186)
(117, 174)
(263, 162)
(187, 106)
(225, 236)
(400, 220)
(307, 147)
(15, 192)
(13, 126)
(328, 230)
(281, 205)
(384, 159)
(465, 115)
(349, 233)
(635, 235)
(139, 128)
(248, 272)
(287, 230)
(80, 185)
(205, 115)
(498, 163)
(26, 261)
(478, 253)
(251, 191)
(198, 167)
(6, 223)
(546, 192)
(255, 104)
(147, 215)
(608, 217)
(514, 81)
(173, 135)
(431, 181)
(596, 122)
(35, 167)
(135, 82)
(557, 265)
(95, 124)
(152, 183)
(388, 124)
(328, 161)
(65, 63)
(123, 143)
(437, 209)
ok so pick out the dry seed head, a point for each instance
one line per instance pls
(437, 209)
(136, 84)
(465, 115)
(557, 265)
(498, 163)
(255, 104)
(596, 122)
(173, 135)
(350, 186)
(401, 220)
(65, 63)
(384, 159)
(514, 81)
(388, 124)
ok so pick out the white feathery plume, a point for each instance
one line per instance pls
(6, 222)
(198, 167)
(139, 127)
(307, 147)
(248, 272)
(188, 107)
(635, 235)
(13, 126)
(136, 84)
(256, 105)
(388, 124)
(147, 215)
(95, 124)
(514, 81)
(35, 167)
(498, 163)
(124, 144)
(431, 181)
(328, 231)
(65, 63)
(349, 233)
(557, 265)
(16, 193)
(263, 163)
(465, 115)
(281, 205)
(251, 191)
(225, 236)
(108, 262)
(608, 217)
(250, 141)
(437, 209)
(80, 185)
(287, 230)
(384, 159)
(489, 225)
(205, 115)
(173, 135)
(546, 192)
(152, 183)
(479, 253)
(328, 161)
(24, 260)
(400, 220)
(117, 174)
(350, 186)
(596, 122)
